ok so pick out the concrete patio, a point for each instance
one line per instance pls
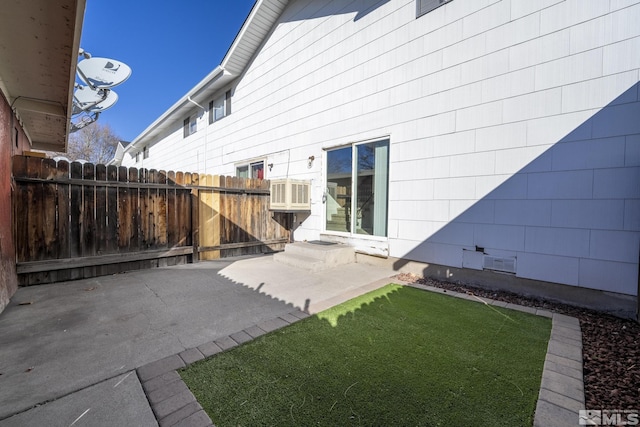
(104, 351)
(69, 351)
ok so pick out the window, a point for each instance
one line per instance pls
(220, 107)
(426, 6)
(357, 189)
(137, 157)
(145, 153)
(190, 125)
(253, 170)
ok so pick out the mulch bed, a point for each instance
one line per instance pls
(610, 345)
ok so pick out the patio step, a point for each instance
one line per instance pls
(315, 257)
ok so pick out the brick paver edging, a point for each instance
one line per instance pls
(172, 402)
(561, 391)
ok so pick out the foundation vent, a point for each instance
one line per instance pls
(505, 265)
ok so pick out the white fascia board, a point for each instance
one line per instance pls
(214, 81)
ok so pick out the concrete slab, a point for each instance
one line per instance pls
(119, 401)
(76, 334)
(298, 287)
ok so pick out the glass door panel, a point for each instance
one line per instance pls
(371, 188)
(338, 204)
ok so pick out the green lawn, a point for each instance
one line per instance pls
(397, 356)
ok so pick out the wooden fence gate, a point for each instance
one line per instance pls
(75, 221)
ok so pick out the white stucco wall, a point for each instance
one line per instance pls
(514, 126)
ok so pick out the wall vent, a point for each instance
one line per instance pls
(505, 265)
(290, 195)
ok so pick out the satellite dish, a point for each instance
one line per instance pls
(92, 101)
(103, 73)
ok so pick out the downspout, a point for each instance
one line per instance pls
(194, 102)
(205, 134)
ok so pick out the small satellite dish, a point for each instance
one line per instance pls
(103, 73)
(91, 101)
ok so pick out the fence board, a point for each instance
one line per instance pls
(111, 245)
(73, 221)
(160, 207)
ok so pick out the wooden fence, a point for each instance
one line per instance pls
(76, 221)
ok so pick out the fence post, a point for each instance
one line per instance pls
(195, 216)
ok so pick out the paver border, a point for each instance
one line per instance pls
(560, 399)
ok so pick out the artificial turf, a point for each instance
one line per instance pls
(397, 356)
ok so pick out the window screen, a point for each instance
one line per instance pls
(426, 6)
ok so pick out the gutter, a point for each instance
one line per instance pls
(214, 75)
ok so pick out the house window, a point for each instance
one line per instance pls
(357, 189)
(253, 170)
(220, 107)
(426, 6)
(137, 157)
(190, 125)
(145, 153)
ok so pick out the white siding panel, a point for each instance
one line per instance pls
(571, 12)
(459, 143)
(565, 127)
(593, 153)
(490, 17)
(513, 33)
(510, 135)
(499, 187)
(597, 93)
(504, 237)
(474, 164)
(509, 85)
(619, 183)
(472, 212)
(571, 69)
(617, 246)
(453, 233)
(532, 106)
(454, 188)
(550, 268)
(616, 57)
(557, 241)
(485, 67)
(539, 50)
(523, 160)
(588, 214)
(482, 115)
(632, 215)
(615, 276)
(520, 8)
(523, 212)
(632, 150)
(561, 185)
(620, 4)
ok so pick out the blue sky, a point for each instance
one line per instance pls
(170, 47)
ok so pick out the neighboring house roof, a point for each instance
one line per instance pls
(117, 158)
(256, 27)
(39, 43)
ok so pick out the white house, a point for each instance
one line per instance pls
(499, 135)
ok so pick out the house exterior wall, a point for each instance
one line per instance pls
(514, 127)
(8, 147)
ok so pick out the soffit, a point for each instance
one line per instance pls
(39, 42)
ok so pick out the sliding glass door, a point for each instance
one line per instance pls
(357, 189)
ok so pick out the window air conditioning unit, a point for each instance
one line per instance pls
(290, 195)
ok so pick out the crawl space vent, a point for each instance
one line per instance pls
(505, 265)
